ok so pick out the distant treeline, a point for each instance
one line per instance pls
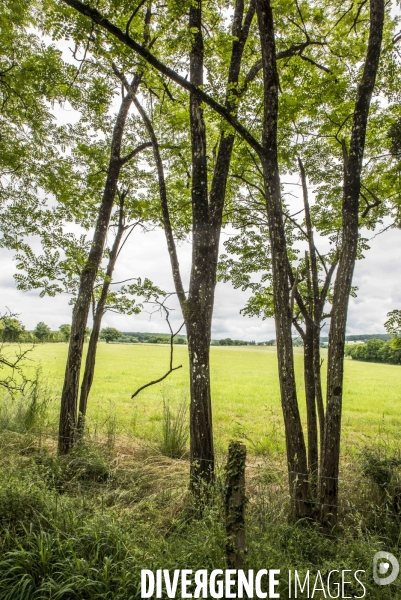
(12, 330)
(363, 337)
(375, 350)
(138, 337)
(135, 337)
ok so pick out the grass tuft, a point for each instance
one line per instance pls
(175, 429)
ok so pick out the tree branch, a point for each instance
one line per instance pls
(162, 189)
(294, 50)
(101, 20)
(131, 155)
(172, 336)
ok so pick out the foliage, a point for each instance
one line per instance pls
(89, 537)
(393, 326)
(383, 467)
(65, 330)
(27, 411)
(230, 342)
(110, 334)
(13, 359)
(42, 331)
(394, 133)
(375, 351)
(11, 329)
(151, 338)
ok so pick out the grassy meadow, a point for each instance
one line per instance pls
(245, 392)
(82, 526)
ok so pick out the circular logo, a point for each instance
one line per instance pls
(385, 568)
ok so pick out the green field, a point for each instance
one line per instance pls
(84, 524)
(245, 393)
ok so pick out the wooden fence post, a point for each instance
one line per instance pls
(235, 501)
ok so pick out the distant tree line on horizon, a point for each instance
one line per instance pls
(374, 347)
(376, 350)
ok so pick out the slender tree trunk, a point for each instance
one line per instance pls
(201, 429)
(318, 381)
(198, 309)
(342, 288)
(68, 410)
(207, 218)
(309, 377)
(97, 322)
(295, 442)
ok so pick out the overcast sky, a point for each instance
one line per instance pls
(378, 278)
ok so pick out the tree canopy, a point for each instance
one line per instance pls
(278, 121)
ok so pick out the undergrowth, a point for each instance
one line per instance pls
(83, 526)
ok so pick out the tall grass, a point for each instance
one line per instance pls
(83, 526)
(28, 411)
(174, 429)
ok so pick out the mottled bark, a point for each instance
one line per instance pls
(295, 443)
(310, 396)
(235, 503)
(342, 288)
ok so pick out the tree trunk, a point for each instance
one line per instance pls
(97, 322)
(318, 380)
(316, 302)
(309, 377)
(207, 218)
(199, 305)
(342, 288)
(295, 442)
(68, 410)
(201, 429)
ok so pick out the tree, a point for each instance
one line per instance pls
(66, 331)
(110, 334)
(207, 208)
(11, 329)
(100, 303)
(80, 181)
(42, 331)
(267, 153)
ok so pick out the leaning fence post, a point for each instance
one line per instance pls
(235, 501)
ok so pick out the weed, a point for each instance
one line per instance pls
(174, 436)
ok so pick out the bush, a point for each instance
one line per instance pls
(23, 501)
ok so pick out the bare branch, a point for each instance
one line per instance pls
(172, 336)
